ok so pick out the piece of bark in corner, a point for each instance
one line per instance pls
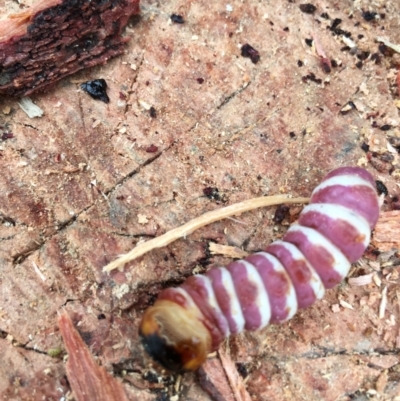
(55, 38)
(89, 381)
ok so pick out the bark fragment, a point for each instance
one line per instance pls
(56, 38)
(89, 381)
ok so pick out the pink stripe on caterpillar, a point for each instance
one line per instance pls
(327, 260)
(306, 281)
(350, 191)
(344, 228)
(199, 288)
(251, 293)
(226, 296)
(280, 290)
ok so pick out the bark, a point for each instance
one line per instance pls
(56, 38)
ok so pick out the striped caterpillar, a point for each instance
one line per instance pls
(187, 323)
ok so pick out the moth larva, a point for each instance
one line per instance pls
(333, 231)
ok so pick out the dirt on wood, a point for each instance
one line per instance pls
(190, 116)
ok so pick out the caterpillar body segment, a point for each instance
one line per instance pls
(333, 231)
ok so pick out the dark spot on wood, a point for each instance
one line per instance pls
(153, 113)
(212, 193)
(365, 147)
(386, 157)
(178, 19)
(307, 8)
(376, 58)
(386, 127)
(311, 77)
(326, 65)
(152, 149)
(242, 369)
(200, 80)
(151, 377)
(362, 55)
(281, 213)
(335, 23)
(369, 15)
(250, 52)
(381, 188)
(97, 89)
(300, 63)
(385, 50)
(308, 42)
(6, 135)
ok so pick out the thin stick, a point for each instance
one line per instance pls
(198, 222)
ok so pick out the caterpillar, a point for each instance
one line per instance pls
(186, 323)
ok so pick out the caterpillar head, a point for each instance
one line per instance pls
(174, 336)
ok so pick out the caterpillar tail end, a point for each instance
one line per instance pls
(174, 337)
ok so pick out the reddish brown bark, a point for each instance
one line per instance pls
(56, 38)
(89, 381)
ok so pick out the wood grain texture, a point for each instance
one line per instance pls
(78, 188)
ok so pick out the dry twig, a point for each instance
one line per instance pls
(198, 222)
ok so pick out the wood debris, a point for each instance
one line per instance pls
(226, 250)
(53, 39)
(220, 378)
(387, 231)
(345, 304)
(89, 381)
(361, 280)
(382, 306)
(236, 382)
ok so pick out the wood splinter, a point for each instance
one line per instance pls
(201, 221)
(55, 38)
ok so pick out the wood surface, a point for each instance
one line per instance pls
(87, 181)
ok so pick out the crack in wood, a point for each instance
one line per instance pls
(233, 95)
(23, 255)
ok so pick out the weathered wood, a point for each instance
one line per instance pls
(387, 231)
(88, 180)
(56, 38)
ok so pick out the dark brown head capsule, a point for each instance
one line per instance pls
(174, 336)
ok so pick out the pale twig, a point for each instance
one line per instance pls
(198, 222)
